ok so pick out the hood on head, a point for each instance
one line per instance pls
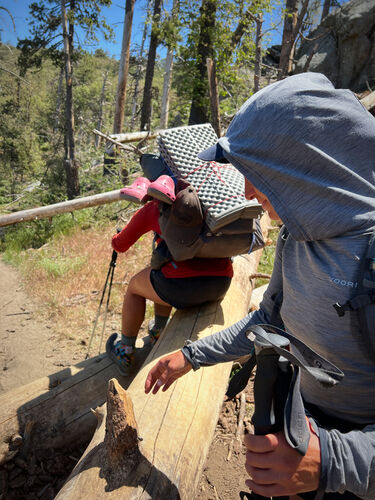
(310, 148)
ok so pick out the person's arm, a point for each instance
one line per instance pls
(348, 461)
(143, 221)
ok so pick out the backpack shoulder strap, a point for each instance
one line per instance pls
(364, 302)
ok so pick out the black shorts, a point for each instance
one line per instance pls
(189, 292)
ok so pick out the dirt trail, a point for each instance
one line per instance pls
(29, 347)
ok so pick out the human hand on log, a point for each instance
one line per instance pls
(166, 371)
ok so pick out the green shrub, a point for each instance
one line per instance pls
(61, 266)
(37, 233)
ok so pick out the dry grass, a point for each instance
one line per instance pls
(66, 278)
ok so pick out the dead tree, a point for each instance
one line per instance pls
(101, 106)
(164, 112)
(139, 68)
(147, 91)
(159, 450)
(258, 51)
(124, 68)
(292, 25)
(71, 164)
(214, 96)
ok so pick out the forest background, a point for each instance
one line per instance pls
(59, 81)
(58, 84)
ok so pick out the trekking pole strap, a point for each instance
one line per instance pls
(319, 368)
(302, 358)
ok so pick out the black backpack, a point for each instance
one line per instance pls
(363, 303)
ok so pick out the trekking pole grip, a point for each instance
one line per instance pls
(114, 253)
(265, 416)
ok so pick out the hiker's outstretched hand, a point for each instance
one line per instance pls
(276, 469)
(166, 371)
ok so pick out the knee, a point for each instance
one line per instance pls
(136, 285)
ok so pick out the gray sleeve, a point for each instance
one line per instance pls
(232, 343)
(348, 461)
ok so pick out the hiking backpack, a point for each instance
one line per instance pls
(231, 223)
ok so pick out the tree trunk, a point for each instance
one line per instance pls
(176, 426)
(199, 104)
(214, 96)
(56, 118)
(325, 10)
(258, 53)
(124, 68)
(147, 92)
(164, 114)
(71, 164)
(60, 208)
(101, 106)
(290, 21)
(296, 31)
(139, 68)
(292, 24)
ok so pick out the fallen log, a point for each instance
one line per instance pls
(135, 136)
(55, 411)
(60, 208)
(176, 426)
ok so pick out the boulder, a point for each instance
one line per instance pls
(343, 46)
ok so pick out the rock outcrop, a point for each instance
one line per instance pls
(343, 46)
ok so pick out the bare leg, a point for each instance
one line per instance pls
(162, 310)
(134, 304)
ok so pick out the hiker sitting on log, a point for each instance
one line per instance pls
(307, 152)
(168, 283)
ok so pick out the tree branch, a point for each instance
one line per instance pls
(14, 74)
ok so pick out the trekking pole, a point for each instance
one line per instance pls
(110, 273)
(271, 381)
(270, 366)
(112, 266)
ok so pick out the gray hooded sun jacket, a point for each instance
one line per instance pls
(311, 150)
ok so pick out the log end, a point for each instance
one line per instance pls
(121, 437)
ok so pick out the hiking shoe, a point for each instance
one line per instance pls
(153, 332)
(154, 336)
(137, 192)
(162, 189)
(115, 349)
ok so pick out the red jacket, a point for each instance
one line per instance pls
(147, 219)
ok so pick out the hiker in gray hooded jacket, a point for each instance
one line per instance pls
(307, 151)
